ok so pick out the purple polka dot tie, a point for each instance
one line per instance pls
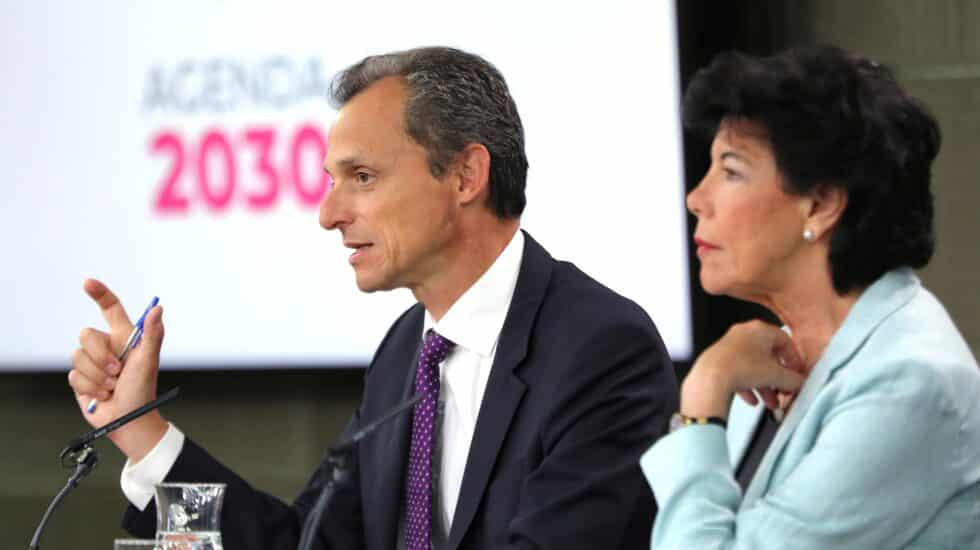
(418, 492)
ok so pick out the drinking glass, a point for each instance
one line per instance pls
(189, 515)
(135, 544)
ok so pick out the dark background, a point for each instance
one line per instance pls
(273, 426)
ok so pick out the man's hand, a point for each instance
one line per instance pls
(96, 373)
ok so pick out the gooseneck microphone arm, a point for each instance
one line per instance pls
(339, 472)
(80, 454)
(80, 442)
(87, 459)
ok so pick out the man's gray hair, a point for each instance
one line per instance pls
(454, 98)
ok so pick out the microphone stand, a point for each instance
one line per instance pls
(86, 461)
(339, 471)
(338, 466)
(80, 453)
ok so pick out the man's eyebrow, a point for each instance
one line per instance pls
(345, 162)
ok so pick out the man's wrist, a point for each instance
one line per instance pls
(140, 436)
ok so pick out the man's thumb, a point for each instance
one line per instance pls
(153, 330)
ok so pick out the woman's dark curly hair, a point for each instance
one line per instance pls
(833, 118)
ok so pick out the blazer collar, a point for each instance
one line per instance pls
(387, 450)
(475, 320)
(504, 389)
(886, 295)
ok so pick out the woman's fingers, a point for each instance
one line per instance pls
(749, 397)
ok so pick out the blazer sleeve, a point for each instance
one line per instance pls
(878, 471)
(613, 399)
(251, 519)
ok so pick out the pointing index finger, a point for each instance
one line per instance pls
(112, 309)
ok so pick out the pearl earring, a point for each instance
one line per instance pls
(808, 235)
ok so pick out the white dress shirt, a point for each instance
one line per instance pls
(473, 322)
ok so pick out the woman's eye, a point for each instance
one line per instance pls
(731, 174)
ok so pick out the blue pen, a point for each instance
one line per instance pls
(134, 338)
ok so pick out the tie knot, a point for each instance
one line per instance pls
(436, 346)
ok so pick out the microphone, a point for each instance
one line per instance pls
(339, 469)
(78, 444)
(347, 445)
(82, 456)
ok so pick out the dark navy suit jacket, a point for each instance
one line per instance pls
(580, 386)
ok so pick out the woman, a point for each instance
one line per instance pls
(817, 206)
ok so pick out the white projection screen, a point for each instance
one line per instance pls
(175, 148)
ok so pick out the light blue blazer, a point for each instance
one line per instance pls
(881, 448)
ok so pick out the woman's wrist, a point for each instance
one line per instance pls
(706, 391)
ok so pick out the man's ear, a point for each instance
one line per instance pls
(473, 168)
(826, 206)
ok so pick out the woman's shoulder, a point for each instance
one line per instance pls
(917, 348)
(922, 332)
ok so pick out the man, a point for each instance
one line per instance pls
(540, 387)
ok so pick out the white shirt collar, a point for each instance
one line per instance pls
(475, 320)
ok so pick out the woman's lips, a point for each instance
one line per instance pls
(704, 246)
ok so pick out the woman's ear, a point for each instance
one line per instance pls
(826, 206)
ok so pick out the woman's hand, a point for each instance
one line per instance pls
(750, 356)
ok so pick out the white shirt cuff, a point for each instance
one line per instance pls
(137, 480)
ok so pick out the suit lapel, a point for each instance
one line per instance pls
(760, 481)
(390, 452)
(878, 301)
(504, 389)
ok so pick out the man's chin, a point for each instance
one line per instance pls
(369, 285)
(366, 288)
